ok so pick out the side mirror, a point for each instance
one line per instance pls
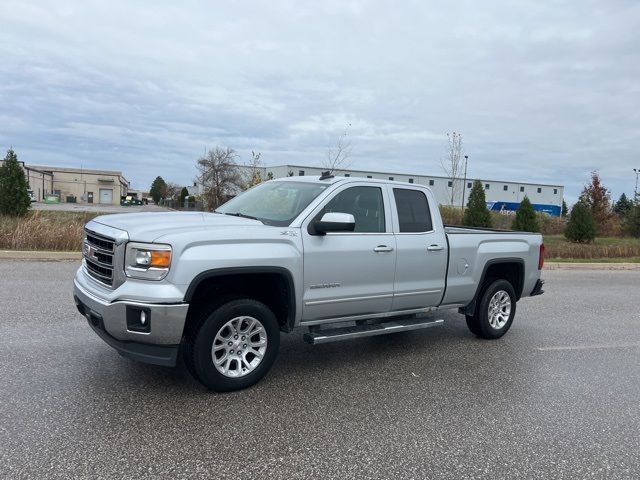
(335, 222)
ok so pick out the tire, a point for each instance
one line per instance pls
(247, 328)
(495, 311)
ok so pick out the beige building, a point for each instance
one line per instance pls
(76, 184)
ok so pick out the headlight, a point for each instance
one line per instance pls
(148, 261)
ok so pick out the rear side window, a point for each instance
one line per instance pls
(413, 211)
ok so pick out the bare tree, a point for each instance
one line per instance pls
(255, 164)
(338, 155)
(171, 190)
(452, 164)
(219, 175)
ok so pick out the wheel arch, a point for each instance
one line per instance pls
(510, 269)
(273, 286)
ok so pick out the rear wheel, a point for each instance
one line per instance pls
(235, 345)
(495, 311)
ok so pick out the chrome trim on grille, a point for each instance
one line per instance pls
(103, 254)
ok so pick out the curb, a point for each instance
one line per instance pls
(40, 256)
(590, 266)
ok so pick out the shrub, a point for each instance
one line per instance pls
(451, 215)
(14, 196)
(551, 225)
(581, 227)
(526, 219)
(476, 213)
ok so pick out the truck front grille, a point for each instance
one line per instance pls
(98, 252)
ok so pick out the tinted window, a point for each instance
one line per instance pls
(364, 203)
(522, 189)
(411, 180)
(486, 186)
(539, 190)
(505, 188)
(413, 210)
(469, 185)
(431, 182)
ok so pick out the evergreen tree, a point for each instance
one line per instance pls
(476, 213)
(597, 197)
(632, 221)
(623, 205)
(184, 193)
(565, 210)
(158, 189)
(526, 219)
(581, 227)
(14, 198)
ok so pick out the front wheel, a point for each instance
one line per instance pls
(495, 311)
(235, 345)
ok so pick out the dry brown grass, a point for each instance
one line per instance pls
(56, 231)
(602, 248)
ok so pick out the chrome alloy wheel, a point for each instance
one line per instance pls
(239, 346)
(499, 309)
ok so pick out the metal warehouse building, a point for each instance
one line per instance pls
(76, 184)
(501, 195)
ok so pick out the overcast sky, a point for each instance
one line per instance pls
(541, 91)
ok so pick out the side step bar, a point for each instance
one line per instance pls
(358, 331)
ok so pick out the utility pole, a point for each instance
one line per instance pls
(464, 183)
(635, 193)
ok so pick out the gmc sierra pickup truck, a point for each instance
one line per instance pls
(340, 257)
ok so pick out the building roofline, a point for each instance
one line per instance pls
(414, 175)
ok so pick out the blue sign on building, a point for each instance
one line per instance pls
(512, 207)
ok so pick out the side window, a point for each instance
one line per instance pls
(413, 211)
(364, 203)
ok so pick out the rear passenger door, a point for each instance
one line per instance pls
(421, 251)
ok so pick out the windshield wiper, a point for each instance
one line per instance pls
(238, 214)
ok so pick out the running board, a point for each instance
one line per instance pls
(359, 331)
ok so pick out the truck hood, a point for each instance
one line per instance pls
(147, 227)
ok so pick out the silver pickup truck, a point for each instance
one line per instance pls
(340, 257)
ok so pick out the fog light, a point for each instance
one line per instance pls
(138, 319)
(143, 317)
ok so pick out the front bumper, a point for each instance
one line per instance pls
(158, 346)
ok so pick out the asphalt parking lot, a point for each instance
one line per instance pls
(557, 397)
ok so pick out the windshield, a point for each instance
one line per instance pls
(273, 203)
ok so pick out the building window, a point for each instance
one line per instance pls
(539, 190)
(486, 186)
(522, 189)
(431, 182)
(555, 191)
(449, 183)
(390, 178)
(301, 173)
(469, 184)
(411, 180)
(347, 174)
(369, 176)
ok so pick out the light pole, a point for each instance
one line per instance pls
(635, 192)
(464, 184)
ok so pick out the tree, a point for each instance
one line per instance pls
(476, 213)
(255, 164)
(452, 163)
(338, 155)
(269, 175)
(622, 206)
(581, 227)
(158, 189)
(219, 176)
(171, 191)
(526, 219)
(14, 196)
(565, 210)
(597, 197)
(184, 193)
(632, 221)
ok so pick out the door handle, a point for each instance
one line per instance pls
(435, 248)
(383, 248)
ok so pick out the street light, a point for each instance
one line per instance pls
(635, 193)
(464, 184)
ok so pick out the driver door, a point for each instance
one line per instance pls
(350, 273)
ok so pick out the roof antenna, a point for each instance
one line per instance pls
(326, 175)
